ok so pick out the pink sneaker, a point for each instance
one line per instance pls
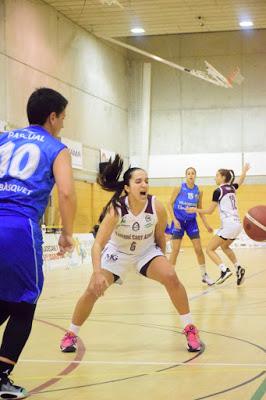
(68, 343)
(193, 340)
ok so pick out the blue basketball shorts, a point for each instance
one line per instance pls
(189, 226)
(21, 274)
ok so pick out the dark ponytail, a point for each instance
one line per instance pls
(232, 176)
(109, 181)
(228, 174)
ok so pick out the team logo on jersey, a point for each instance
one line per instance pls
(190, 196)
(148, 225)
(148, 218)
(136, 227)
(123, 221)
(111, 257)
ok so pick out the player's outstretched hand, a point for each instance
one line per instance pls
(98, 283)
(177, 224)
(65, 243)
(246, 167)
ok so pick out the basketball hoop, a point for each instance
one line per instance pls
(235, 77)
(211, 74)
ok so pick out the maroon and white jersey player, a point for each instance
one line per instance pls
(225, 196)
(132, 243)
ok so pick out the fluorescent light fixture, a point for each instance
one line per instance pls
(137, 30)
(246, 24)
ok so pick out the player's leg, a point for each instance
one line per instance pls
(82, 311)
(193, 233)
(213, 245)
(176, 245)
(240, 271)
(201, 261)
(21, 280)
(160, 270)
(15, 336)
(4, 311)
(177, 236)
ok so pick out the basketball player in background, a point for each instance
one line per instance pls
(225, 198)
(131, 234)
(187, 195)
(31, 161)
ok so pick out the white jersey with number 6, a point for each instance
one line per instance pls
(135, 233)
(132, 243)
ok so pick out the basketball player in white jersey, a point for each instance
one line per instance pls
(131, 234)
(225, 197)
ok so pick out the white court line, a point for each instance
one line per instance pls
(194, 364)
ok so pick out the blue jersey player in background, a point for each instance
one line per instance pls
(182, 198)
(32, 160)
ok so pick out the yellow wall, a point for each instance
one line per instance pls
(91, 200)
(84, 218)
(247, 195)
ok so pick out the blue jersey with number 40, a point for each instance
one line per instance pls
(26, 171)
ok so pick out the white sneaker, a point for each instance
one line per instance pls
(224, 275)
(207, 279)
(240, 275)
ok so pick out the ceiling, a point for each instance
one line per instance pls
(115, 18)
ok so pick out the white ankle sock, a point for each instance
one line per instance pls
(74, 328)
(236, 265)
(186, 319)
(222, 267)
(202, 269)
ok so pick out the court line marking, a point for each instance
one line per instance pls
(260, 391)
(40, 388)
(103, 362)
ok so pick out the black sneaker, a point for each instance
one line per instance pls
(10, 391)
(240, 273)
(224, 275)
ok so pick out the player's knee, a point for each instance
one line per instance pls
(170, 278)
(209, 250)
(199, 251)
(89, 294)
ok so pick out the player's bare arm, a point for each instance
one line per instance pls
(202, 216)
(99, 282)
(170, 205)
(161, 225)
(63, 174)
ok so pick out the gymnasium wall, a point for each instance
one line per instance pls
(40, 47)
(91, 200)
(191, 116)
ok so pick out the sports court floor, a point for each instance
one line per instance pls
(132, 347)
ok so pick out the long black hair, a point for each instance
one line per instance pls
(228, 174)
(109, 181)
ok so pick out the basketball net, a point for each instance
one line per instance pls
(235, 77)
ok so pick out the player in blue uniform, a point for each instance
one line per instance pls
(182, 198)
(31, 161)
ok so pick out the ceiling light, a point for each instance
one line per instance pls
(246, 24)
(137, 30)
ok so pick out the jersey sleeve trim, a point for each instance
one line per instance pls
(217, 195)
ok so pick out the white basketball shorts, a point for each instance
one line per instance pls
(120, 263)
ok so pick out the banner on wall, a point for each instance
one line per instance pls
(76, 151)
(106, 155)
(80, 255)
